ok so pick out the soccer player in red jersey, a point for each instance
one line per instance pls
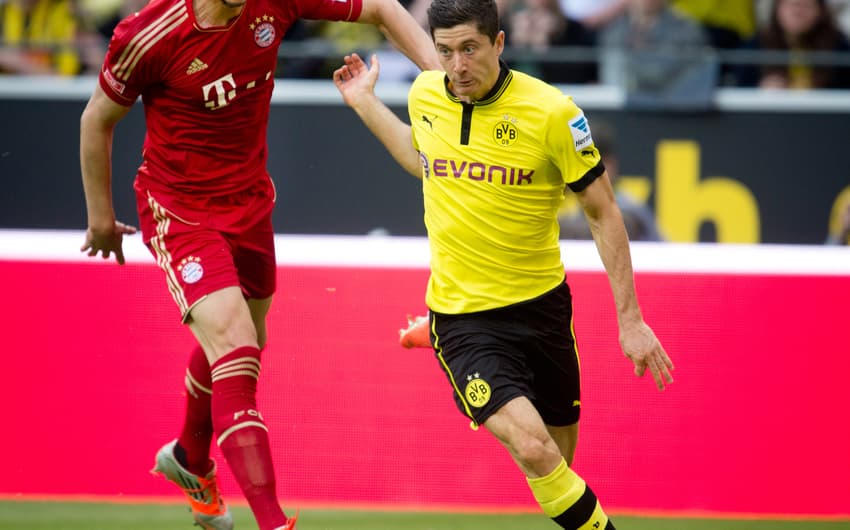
(204, 70)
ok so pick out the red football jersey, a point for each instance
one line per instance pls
(206, 91)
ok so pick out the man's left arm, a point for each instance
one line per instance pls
(402, 30)
(637, 339)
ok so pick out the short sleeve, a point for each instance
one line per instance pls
(128, 68)
(569, 142)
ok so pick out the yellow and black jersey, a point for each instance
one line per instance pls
(494, 173)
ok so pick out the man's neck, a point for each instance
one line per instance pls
(214, 13)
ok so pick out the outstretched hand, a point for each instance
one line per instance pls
(354, 79)
(640, 344)
(107, 242)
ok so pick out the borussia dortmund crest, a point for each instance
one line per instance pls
(477, 391)
(505, 133)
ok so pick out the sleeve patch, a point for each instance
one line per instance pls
(580, 131)
(116, 85)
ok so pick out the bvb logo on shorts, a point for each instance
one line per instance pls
(477, 391)
(505, 132)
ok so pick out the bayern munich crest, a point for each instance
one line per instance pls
(190, 269)
(264, 33)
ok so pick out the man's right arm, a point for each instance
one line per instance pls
(402, 30)
(97, 124)
(637, 339)
(356, 83)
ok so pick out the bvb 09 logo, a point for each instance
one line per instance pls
(505, 133)
(477, 391)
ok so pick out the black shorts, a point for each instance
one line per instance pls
(525, 349)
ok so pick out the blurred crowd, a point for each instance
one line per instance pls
(663, 53)
(58, 37)
(668, 51)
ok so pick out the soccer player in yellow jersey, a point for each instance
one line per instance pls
(495, 149)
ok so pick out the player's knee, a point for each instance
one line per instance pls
(220, 338)
(224, 321)
(535, 454)
(238, 336)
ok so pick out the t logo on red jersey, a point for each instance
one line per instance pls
(224, 89)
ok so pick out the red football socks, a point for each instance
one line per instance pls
(194, 440)
(242, 435)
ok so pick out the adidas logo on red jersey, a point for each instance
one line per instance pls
(196, 66)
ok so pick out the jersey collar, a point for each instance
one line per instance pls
(502, 82)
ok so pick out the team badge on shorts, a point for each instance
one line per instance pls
(477, 392)
(190, 269)
(264, 32)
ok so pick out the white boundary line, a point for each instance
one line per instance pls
(323, 92)
(412, 252)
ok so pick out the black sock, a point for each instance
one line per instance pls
(180, 455)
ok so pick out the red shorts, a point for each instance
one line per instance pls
(208, 244)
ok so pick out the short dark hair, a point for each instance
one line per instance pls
(484, 14)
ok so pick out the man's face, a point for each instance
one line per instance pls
(469, 59)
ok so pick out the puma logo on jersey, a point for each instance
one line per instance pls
(429, 122)
(196, 66)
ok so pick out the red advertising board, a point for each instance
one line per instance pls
(758, 420)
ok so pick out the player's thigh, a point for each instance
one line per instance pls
(252, 243)
(259, 308)
(254, 259)
(516, 423)
(222, 322)
(195, 257)
(552, 358)
(520, 429)
(478, 353)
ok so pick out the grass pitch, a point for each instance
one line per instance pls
(43, 515)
